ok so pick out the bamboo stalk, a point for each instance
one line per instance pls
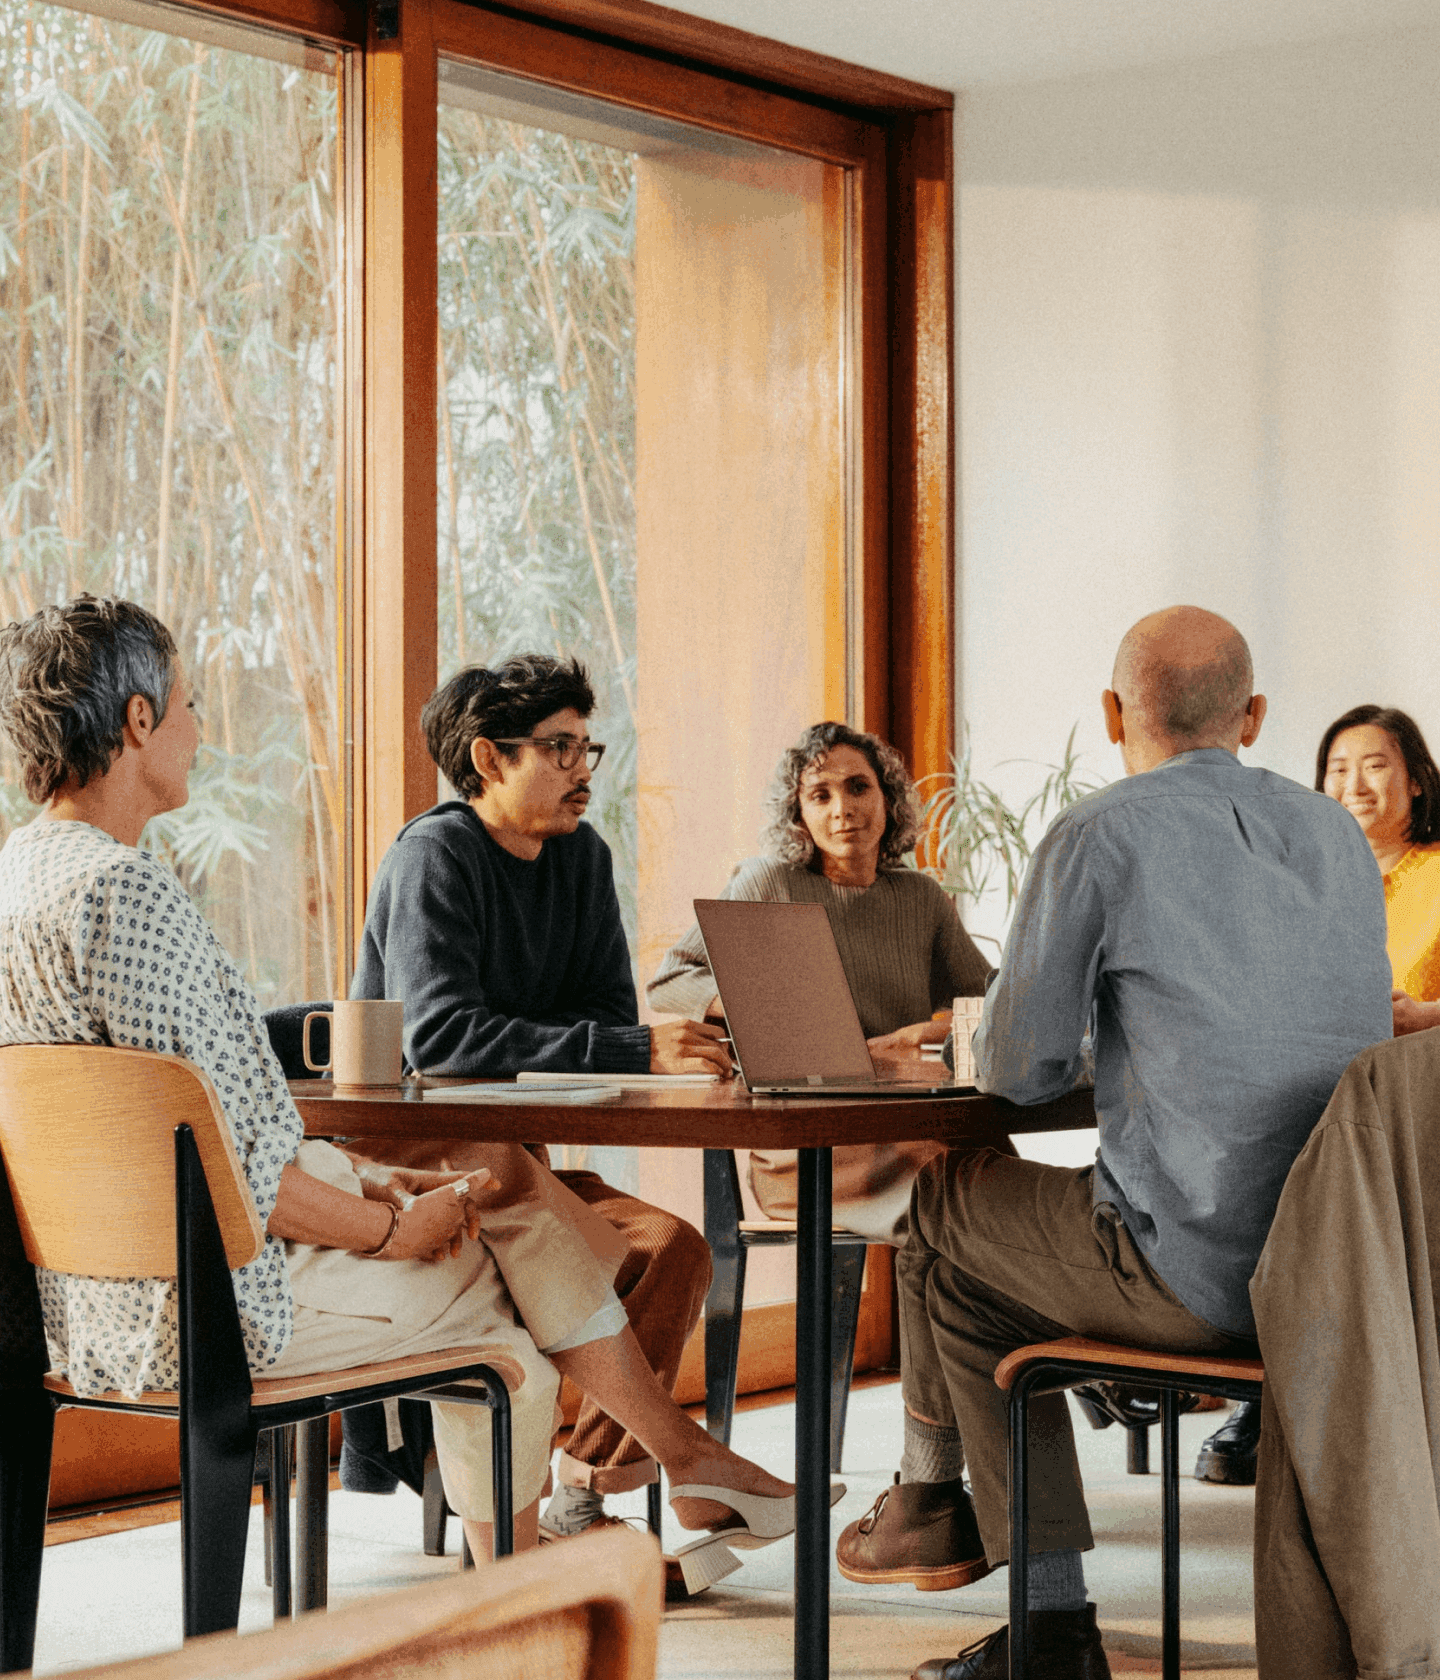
(22, 359)
(172, 369)
(457, 581)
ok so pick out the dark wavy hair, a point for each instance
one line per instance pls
(67, 675)
(786, 838)
(506, 701)
(1402, 729)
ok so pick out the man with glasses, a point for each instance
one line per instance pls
(494, 919)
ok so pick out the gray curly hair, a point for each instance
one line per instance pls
(786, 838)
(66, 678)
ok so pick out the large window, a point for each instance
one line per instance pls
(536, 419)
(641, 453)
(168, 399)
(642, 461)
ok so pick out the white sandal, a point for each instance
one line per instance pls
(709, 1559)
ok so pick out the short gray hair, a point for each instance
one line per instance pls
(786, 838)
(67, 676)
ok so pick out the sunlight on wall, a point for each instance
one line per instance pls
(1200, 361)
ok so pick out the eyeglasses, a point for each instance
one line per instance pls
(566, 748)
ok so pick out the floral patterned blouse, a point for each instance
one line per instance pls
(100, 944)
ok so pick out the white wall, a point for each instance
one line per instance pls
(1199, 360)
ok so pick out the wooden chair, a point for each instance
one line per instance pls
(120, 1164)
(1048, 1367)
(587, 1610)
(731, 1237)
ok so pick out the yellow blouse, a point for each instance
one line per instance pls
(1412, 915)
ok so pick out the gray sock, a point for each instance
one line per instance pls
(933, 1452)
(572, 1509)
(1056, 1580)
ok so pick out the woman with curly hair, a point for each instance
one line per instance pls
(843, 815)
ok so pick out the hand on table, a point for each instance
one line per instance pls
(1411, 1015)
(688, 1047)
(904, 1045)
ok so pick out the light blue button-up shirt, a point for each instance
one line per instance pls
(1221, 931)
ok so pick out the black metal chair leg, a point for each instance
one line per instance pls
(216, 1476)
(1019, 1528)
(500, 1468)
(1137, 1450)
(25, 1445)
(653, 1495)
(727, 1293)
(262, 1460)
(437, 1512)
(217, 1430)
(312, 1521)
(277, 1520)
(1170, 1534)
(847, 1278)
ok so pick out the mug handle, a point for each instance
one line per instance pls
(316, 1015)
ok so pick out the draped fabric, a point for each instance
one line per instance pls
(1347, 1513)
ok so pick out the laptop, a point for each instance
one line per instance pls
(793, 1024)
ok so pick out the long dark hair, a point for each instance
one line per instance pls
(1424, 826)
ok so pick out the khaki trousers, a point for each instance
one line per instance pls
(1001, 1253)
(479, 1315)
(660, 1268)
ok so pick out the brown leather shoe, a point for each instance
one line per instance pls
(1064, 1645)
(921, 1532)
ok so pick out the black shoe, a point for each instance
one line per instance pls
(1229, 1455)
(1104, 1403)
(364, 1475)
(1064, 1645)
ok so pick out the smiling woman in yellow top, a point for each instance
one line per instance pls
(1375, 762)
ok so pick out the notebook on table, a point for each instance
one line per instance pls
(793, 1024)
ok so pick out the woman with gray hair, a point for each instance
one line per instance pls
(843, 816)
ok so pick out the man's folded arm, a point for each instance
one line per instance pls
(604, 990)
(1030, 1046)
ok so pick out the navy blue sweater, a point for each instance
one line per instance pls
(502, 964)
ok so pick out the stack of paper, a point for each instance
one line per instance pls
(590, 1090)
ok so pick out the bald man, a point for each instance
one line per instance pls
(1217, 934)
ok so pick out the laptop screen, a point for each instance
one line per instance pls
(792, 1019)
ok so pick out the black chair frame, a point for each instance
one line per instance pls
(729, 1246)
(1048, 1374)
(219, 1431)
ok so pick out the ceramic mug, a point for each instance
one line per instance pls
(966, 1019)
(366, 1041)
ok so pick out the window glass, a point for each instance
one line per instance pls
(642, 460)
(168, 333)
(537, 422)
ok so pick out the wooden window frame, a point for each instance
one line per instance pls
(894, 137)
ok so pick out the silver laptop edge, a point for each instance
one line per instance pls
(799, 977)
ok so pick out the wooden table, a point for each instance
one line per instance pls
(728, 1117)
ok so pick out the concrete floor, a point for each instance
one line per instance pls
(119, 1595)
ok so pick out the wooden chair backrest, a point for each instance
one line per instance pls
(587, 1610)
(88, 1138)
